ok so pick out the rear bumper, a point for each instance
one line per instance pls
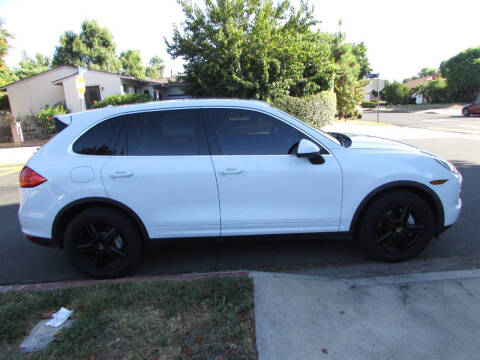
(41, 241)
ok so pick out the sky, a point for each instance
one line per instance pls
(402, 37)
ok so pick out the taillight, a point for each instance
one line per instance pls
(30, 178)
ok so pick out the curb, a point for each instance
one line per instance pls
(78, 283)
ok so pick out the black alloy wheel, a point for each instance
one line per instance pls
(396, 226)
(102, 242)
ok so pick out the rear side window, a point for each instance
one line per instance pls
(99, 140)
(246, 132)
(165, 133)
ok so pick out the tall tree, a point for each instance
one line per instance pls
(132, 64)
(427, 72)
(93, 48)
(463, 75)
(251, 48)
(6, 75)
(360, 52)
(31, 66)
(157, 62)
(349, 84)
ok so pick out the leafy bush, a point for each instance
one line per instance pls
(4, 103)
(369, 104)
(434, 91)
(48, 112)
(395, 93)
(123, 99)
(316, 110)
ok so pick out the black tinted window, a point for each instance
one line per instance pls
(170, 132)
(98, 140)
(245, 132)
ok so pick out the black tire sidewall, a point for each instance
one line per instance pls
(466, 112)
(122, 222)
(422, 212)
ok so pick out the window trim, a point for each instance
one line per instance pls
(215, 144)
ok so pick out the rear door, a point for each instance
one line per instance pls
(263, 187)
(164, 173)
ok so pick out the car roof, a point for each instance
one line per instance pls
(159, 105)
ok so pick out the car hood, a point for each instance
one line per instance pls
(372, 142)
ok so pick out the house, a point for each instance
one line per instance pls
(58, 85)
(416, 97)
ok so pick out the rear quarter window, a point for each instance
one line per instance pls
(99, 140)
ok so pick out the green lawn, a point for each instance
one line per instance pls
(197, 319)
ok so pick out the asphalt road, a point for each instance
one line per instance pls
(440, 122)
(458, 248)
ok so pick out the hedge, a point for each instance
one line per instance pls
(123, 99)
(316, 110)
(4, 103)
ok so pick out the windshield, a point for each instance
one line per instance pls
(321, 132)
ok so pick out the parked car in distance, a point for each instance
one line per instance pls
(471, 109)
(113, 179)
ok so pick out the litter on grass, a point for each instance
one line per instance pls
(59, 317)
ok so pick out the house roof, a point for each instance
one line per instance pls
(416, 82)
(148, 81)
(5, 87)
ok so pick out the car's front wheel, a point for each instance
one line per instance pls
(466, 112)
(102, 242)
(396, 226)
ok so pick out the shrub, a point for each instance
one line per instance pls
(316, 110)
(369, 104)
(48, 112)
(123, 99)
(395, 93)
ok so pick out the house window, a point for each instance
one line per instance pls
(146, 92)
(125, 88)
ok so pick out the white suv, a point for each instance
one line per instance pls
(115, 178)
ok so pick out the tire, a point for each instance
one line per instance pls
(102, 242)
(466, 112)
(396, 226)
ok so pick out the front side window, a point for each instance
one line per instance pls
(247, 132)
(99, 140)
(165, 133)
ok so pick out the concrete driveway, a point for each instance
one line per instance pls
(402, 317)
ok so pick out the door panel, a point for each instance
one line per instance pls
(165, 174)
(278, 194)
(175, 196)
(263, 188)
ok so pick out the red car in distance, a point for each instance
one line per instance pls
(472, 109)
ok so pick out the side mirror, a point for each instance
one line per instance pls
(311, 151)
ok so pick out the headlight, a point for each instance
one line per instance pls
(447, 165)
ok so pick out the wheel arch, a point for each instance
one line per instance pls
(417, 188)
(69, 211)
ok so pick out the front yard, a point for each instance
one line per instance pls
(168, 319)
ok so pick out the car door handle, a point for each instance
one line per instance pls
(120, 174)
(231, 171)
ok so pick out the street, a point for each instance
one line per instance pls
(458, 248)
(440, 122)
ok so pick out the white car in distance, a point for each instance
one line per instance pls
(113, 179)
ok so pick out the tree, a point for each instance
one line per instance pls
(427, 72)
(156, 67)
(6, 75)
(251, 49)
(132, 64)
(349, 85)
(395, 93)
(434, 91)
(31, 66)
(360, 52)
(93, 48)
(463, 75)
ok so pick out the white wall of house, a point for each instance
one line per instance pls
(109, 84)
(27, 97)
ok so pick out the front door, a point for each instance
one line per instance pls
(92, 96)
(164, 173)
(263, 187)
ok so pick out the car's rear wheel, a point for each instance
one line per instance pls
(466, 112)
(396, 226)
(102, 242)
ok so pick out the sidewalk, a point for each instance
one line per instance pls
(415, 316)
(18, 155)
